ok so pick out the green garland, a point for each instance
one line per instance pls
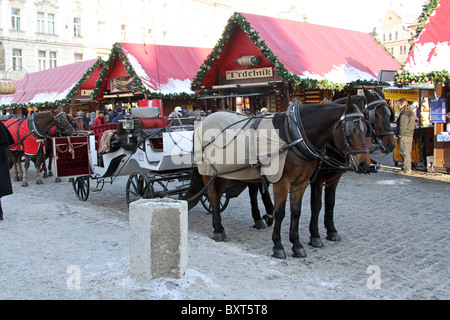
(67, 99)
(117, 49)
(405, 77)
(426, 12)
(238, 19)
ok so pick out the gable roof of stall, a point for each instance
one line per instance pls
(428, 59)
(302, 53)
(54, 86)
(159, 71)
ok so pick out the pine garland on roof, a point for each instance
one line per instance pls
(117, 49)
(238, 19)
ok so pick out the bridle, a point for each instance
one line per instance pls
(347, 123)
(370, 113)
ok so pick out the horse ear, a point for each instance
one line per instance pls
(369, 95)
(349, 105)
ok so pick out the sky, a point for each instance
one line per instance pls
(359, 15)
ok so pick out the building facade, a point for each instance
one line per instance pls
(395, 33)
(40, 34)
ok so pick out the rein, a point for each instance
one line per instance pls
(370, 116)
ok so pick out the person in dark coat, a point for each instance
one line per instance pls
(5, 179)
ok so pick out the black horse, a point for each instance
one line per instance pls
(305, 130)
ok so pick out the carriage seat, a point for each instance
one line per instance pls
(149, 117)
(99, 129)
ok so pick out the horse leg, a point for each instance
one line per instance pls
(25, 171)
(40, 160)
(1, 209)
(215, 191)
(45, 168)
(253, 194)
(268, 204)
(296, 208)
(316, 206)
(330, 197)
(280, 191)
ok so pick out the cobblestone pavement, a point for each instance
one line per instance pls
(394, 228)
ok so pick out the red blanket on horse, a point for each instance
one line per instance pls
(30, 143)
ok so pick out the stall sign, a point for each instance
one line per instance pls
(438, 110)
(123, 84)
(249, 73)
(397, 94)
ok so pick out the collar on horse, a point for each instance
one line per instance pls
(296, 135)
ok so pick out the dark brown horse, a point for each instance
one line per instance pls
(305, 130)
(379, 116)
(36, 128)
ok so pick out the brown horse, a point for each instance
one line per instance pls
(304, 130)
(30, 135)
(379, 115)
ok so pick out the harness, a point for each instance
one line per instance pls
(33, 129)
(370, 116)
(304, 149)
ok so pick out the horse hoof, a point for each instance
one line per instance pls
(45, 176)
(333, 236)
(298, 252)
(39, 182)
(57, 180)
(315, 242)
(279, 253)
(268, 220)
(219, 237)
(50, 174)
(25, 184)
(259, 224)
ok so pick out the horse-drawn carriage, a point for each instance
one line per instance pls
(154, 153)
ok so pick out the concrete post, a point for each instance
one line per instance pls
(158, 238)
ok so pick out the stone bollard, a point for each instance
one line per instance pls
(158, 238)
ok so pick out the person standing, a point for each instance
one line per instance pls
(5, 179)
(406, 123)
(100, 119)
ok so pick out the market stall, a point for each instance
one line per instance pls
(428, 63)
(137, 75)
(423, 138)
(264, 62)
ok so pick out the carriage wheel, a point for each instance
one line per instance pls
(223, 203)
(138, 187)
(81, 186)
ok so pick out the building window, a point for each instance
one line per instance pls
(77, 27)
(51, 23)
(52, 60)
(396, 35)
(47, 60)
(401, 50)
(384, 37)
(16, 59)
(77, 57)
(15, 19)
(123, 33)
(42, 60)
(390, 36)
(40, 22)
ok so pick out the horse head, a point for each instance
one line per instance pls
(350, 137)
(62, 122)
(380, 117)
